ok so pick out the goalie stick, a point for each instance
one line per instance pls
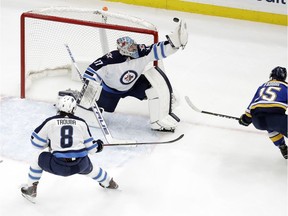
(95, 108)
(147, 143)
(74, 62)
(206, 112)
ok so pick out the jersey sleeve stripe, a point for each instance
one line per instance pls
(86, 76)
(37, 145)
(162, 50)
(92, 71)
(39, 138)
(91, 147)
(155, 52)
(88, 140)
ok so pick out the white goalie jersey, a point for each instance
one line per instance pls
(67, 136)
(117, 72)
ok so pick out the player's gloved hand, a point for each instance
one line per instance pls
(245, 120)
(179, 37)
(100, 145)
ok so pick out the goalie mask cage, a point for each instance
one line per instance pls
(89, 33)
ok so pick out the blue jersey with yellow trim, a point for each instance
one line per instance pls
(270, 97)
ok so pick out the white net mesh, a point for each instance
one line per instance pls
(89, 33)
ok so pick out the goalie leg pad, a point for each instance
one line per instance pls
(159, 102)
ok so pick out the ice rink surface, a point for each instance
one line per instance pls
(219, 168)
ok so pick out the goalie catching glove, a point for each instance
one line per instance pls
(159, 98)
(179, 37)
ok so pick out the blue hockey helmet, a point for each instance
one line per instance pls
(128, 47)
(279, 73)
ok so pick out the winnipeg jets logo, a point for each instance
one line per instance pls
(128, 77)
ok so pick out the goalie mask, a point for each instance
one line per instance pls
(127, 47)
(279, 73)
(66, 104)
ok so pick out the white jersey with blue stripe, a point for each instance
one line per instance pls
(119, 72)
(67, 136)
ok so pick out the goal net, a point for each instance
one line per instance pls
(89, 33)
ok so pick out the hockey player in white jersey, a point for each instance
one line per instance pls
(121, 73)
(64, 142)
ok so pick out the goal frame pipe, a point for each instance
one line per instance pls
(69, 21)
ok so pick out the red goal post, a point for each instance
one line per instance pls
(89, 33)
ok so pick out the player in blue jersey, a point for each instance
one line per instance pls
(64, 142)
(267, 109)
(122, 73)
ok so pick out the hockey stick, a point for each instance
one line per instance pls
(74, 62)
(206, 112)
(146, 143)
(95, 108)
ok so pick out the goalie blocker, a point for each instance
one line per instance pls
(85, 99)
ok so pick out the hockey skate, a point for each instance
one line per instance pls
(283, 149)
(162, 129)
(30, 192)
(166, 124)
(158, 127)
(112, 185)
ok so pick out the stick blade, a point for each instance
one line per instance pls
(191, 104)
(146, 143)
(29, 198)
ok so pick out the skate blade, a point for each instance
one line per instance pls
(164, 130)
(29, 198)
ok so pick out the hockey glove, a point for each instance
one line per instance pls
(245, 120)
(100, 145)
(179, 37)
